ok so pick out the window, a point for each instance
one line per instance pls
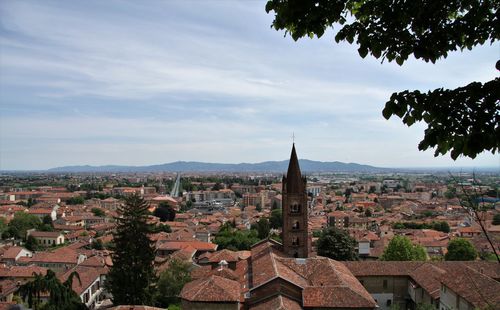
(295, 208)
(385, 284)
(295, 225)
(295, 240)
(389, 302)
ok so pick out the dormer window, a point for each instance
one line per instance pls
(295, 208)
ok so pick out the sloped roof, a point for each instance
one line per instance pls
(21, 271)
(278, 302)
(225, 254)
(321, 279)
(427, 276)
(479, 290)
(12, 252)
(211, 289)
(87, 276)
(335, 297)
(178, 245)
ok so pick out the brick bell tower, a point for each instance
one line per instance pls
(295, 233)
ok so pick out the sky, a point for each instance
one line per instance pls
(151, 82)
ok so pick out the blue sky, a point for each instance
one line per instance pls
(149, 82)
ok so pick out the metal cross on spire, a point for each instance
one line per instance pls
(293, 137)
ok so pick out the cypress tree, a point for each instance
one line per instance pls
(132, 278)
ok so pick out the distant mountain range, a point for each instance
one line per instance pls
(193, 166)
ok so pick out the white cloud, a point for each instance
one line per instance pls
(163, 82)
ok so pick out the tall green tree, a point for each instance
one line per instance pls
(132, 278)
(171, 282)
(337, 244)
(460, 249)
(463, 121)
(400, 248)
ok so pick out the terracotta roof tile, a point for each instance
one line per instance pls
(481, 291)
(21, 271)
(87, 276)
(225, 254)
(211, 289)
(278, 302)
(12, 252)
(335, 297)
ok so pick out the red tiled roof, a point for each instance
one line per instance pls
(132, 307)
(278, 302)
(479, 290)
(87, 276)
(381, 268)
(227, 255)
(39, 211)
(21, 271)
(45, 234)
(427, 276)
(212, 289)
(12, 252)
(335, 297)
(177, 245)
(62, 255)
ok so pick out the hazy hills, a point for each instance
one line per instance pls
(192, 166)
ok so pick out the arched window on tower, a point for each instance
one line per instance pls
(296, 225)
(295, 240)
(295, 208)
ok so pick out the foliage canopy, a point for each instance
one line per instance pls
(400, 248)
(337, 244)
(461, 250)
(172, 281)
(22, 222)
(235, 240)
(463, 121)
(165, 212)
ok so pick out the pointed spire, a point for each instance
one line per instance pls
(294, 176)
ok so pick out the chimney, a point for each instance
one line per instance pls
(222, 264)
